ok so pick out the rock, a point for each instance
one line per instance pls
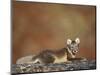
(36, 68)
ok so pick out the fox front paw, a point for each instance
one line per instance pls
(83, 59)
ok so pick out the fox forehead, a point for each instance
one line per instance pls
(74, 42)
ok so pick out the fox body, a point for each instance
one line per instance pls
(59, 56)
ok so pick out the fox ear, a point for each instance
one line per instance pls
(77, 40)
(69, 41)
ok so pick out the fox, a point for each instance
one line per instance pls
(58, 56)
(63, 55)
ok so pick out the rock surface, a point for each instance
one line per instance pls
(36, 68)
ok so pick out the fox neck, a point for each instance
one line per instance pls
(70, 53)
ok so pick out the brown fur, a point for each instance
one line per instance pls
(49, 56)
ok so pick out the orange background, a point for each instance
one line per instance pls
(40, 26)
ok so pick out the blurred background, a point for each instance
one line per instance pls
(39, 26)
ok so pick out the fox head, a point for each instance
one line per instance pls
(73, 46)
